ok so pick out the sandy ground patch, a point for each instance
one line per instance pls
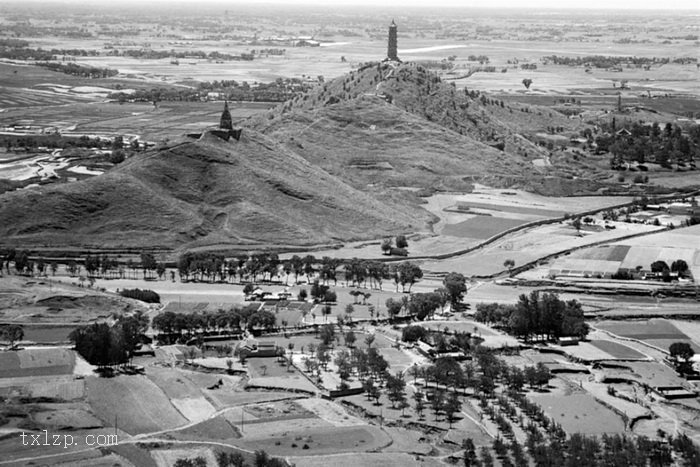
(330, 412)
(280, 428)
(82, 367)
(195, 409)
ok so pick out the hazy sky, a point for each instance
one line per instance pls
(520, 4)
(597, 4)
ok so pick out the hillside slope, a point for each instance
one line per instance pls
(422, 93)
(374, 145)
(197, 193)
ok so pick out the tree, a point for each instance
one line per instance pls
(401, 241)
(659, 266)
(452, 406)
(527, 82)
(396, 385)
(12, 333)
(680, 266)
(419, 405)
(327, 334)
(469, 459)
(413, 333)
(409, 273)
(369, 340)
(350, 339)
(576, 224)
(438, 402)
(393, 307)
(456, 286)
(486, 457)
(682, 353)
(386, 246)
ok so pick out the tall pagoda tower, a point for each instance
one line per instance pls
(392, 50)
(226, 123)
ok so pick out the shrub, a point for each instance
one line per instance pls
(144, 295)
(413, 333)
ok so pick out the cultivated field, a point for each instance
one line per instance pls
(580, 413)
(659, 333)
(138, 405)
(36, 362)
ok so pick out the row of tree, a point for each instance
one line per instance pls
(536, 317)
(175, 325)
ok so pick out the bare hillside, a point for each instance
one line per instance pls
(249, 192)
(422, 93)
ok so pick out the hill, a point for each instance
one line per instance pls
(375, 145)
(417, 90)
(253, 192)
(346, 161)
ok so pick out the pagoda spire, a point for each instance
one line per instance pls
(226, 123)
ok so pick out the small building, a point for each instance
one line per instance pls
(253, 348)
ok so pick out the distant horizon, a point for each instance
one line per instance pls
(607, 5)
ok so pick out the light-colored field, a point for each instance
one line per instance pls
(656, 332)
(579, 413)
(36, 362)
(649, 373)
(378, 459)
(602, 350)
(239, 398)
(63, 418)
(136, 403)
(195, 409)
(168, 457)
(529, 245)
(64, 390)
(321, 440)
(330, 412)
(667, 246)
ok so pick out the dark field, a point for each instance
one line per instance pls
(481, 227)
(617, 350)
(47, 334)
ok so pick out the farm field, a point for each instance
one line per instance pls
(659, 333)
(529, 245)
(600, 350)
(502, 209)
(580, 413)
(667, 246)
(652, 374)
(36, 362)
(321, 440)
(617, 350)
(139, 405)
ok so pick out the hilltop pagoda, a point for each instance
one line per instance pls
(392, 52)
(226, 123)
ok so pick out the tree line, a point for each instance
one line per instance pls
(182, 326)
(106, 346)
(536, 317)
